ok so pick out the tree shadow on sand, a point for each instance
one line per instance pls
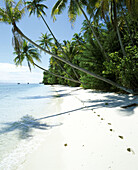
(63, 94)
(44, 97)
(109, 101)
(115, 101)
(25, 126)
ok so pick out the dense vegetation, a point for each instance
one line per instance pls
(102, 56)
(83, 50)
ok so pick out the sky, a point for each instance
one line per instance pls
(32, 27)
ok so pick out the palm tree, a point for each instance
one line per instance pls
(105, 8)
(36, 7)
(27, 52)
(71, 49)
(46, 41)
(30, 53)
(76, 8)
(9, 17)
(78, 39)
(132, 6)
(110, 9)
(116, 26)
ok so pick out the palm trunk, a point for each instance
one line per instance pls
(73, 65)
(127, 26)
(117, 29)
(61, 66)
(121, 44)
(56, 75)
(90, 26)
(58, 44)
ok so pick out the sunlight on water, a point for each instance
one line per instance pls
(21, 107)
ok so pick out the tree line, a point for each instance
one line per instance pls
(102, 56)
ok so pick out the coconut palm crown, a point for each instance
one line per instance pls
(46, 41)
(28, 52)
(12, 12)
(73, 9)
(36, 7)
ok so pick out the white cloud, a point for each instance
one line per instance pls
(11, 73)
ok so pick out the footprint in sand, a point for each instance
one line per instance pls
(130, 150)
(121, 137)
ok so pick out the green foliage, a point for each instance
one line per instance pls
(12, 12)
(106, 46)
(84, 51)
(48, 79)
(124, 68)
(28, 52)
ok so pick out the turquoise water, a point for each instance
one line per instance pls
(21, 106)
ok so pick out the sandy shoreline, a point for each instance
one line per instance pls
(94, 133)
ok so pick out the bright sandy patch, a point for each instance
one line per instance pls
(95, 133)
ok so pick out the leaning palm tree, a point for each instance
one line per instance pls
(36, 7)
(29, 53)
(7, 15)
(11, 15)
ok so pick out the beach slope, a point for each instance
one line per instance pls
(95, 132)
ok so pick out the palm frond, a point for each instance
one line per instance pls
(58, 8)
(28, 52)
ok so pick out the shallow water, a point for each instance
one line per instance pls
(21, 107)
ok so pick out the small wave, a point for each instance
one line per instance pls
(16, 158)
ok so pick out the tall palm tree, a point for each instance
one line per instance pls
(10, 18)
(110, 9)
(76, 8)
(11, 15)
(116, 26)
(106, 8)
(36, 7)
(132, 6)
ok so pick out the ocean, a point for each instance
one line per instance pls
(21, 131)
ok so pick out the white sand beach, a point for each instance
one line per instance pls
(94, 133)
